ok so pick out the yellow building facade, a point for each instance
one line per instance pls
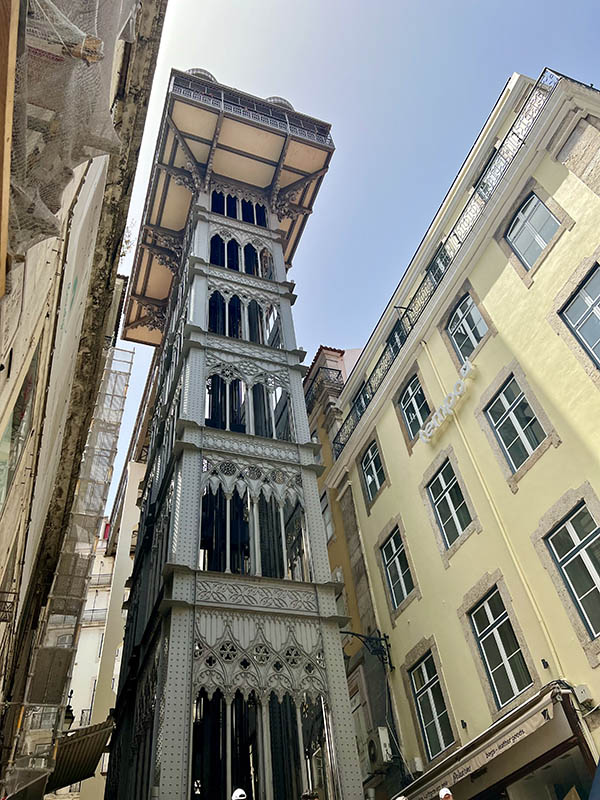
(466, 458)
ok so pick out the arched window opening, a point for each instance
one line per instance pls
(209, 747)
(531, 229)
(296, 555)
(231, 206)
(255, 323)
(248, 211)
(272, 327)
(266, 265)
(283, 419)
(245, 747)
(217, 203)
(315, 744)
(261, 215)
(215, 412)
(239, 535)
(270, 538)
(237, 406)
(217, 732)
(213, 531)
(225, 533)
(250, 260)
(217, 251)
(234, 311)
(263, 413)
(285, 748)
(216, 314)
(233, 255)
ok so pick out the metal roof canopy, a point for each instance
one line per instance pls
(78, 754)
(211, 132)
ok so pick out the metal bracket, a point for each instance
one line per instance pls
(377, 645)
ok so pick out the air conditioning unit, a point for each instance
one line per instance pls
(379, 749)
(415, 766)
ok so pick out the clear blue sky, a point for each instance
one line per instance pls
(406, 86)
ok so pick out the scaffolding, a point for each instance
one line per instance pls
(42, 719)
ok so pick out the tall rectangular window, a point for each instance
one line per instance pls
(327, 518)
(500, 649)
(515, 424)
(372, 470)
(449, 504)
(16, 432)
(397, 569)
(575, 546)
(431, 706)
(582, 314)
(533, 226)
(414, 405)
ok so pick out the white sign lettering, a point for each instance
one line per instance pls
(447, 408)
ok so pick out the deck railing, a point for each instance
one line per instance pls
(451, 247)
(325, 377)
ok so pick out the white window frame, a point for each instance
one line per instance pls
(426, 691)
(409, 403)
(395, 541)
(492, 630)
(445, 493)
(523, 219)
(314, 437)
(369, 470)
(509, 412)
(592, 309)
(458, 320)
(579, 550)
(327, 517)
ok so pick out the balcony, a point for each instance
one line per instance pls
(451, 247)
(326, 378)
(7, 606)
(94, 616)
(101, 579)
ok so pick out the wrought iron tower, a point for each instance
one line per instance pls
(233, 673)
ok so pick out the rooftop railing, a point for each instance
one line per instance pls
(222, 104)
(325, 376)
(451, 247)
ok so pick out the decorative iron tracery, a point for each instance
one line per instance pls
(261, 664)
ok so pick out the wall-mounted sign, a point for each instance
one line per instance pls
(441, 414)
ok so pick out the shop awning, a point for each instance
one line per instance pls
(493, 742)
(78, 754)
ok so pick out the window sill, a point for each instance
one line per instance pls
(551, 439)
(473, 527)
(414, 594)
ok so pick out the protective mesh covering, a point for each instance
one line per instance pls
(57, 642)
(62, 112)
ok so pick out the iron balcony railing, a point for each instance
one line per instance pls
(7, 606)
(94, 616)
(450, 248)
(101, 579)
(325, 377)
(286, 125)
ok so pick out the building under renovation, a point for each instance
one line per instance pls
(233, 674)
